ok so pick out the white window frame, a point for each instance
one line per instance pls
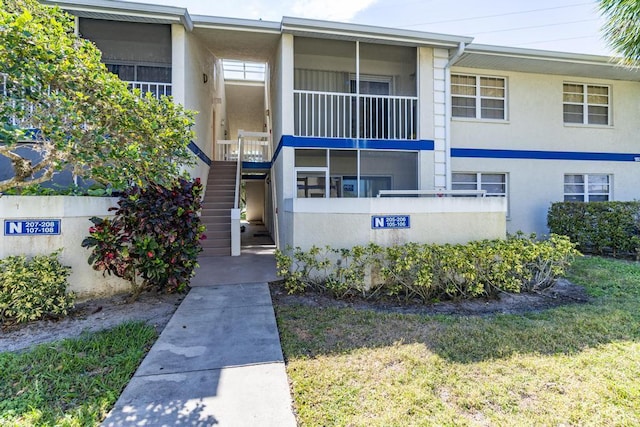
(478, 183)
(586, 194)
(585, 104)
(478, 97)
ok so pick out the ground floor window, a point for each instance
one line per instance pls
(353, 173)
(587, 187)
(495, 184)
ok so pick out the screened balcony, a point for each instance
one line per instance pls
(352, 90)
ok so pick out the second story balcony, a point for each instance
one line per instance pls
(354, 90)
(156, 88)
(348, 115)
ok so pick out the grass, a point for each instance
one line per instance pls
(572, 365)
(72, 382)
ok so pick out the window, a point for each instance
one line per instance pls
(585, 104)
(587, 187)
(478, 97)
(353, 173)
(495, 184)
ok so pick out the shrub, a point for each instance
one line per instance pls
(33, 289)
(603, 228)
(155, 235)
(428, 271)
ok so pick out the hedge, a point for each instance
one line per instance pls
(34, 288)
(603, 228)
(428, 272)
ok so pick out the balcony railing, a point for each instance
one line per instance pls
(254, 150)
(157, 89)
(345, 115)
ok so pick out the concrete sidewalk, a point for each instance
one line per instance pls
(218, 360)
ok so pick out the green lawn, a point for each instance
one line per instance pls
(71, 382)
(573, 365)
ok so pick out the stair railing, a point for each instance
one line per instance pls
(235, 212)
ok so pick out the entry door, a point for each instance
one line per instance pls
(374, 120)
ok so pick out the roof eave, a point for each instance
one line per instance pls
(545, 55)
(238, 24)
(168, 14)
(317, 28)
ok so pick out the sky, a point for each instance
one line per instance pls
(559, 25)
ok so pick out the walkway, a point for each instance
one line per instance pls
(218, 360)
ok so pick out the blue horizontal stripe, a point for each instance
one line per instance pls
(256, 165)
(543, 155)
(255, 177)
(353, 143)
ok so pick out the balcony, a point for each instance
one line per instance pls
(157, 89)
(348, 115)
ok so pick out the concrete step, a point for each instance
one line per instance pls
(213, 214)
(217, 236)
(217, 243)
(217, 205)
(213, 252)
(216, 227)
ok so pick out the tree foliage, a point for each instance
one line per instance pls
(622, 28)
(58, 96)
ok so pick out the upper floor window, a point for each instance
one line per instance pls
(586, 104)
(587, 188)
(495, 184)
(478, 97)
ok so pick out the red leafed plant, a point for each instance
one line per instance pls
(153, 237)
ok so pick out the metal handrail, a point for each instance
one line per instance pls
(236, 203)
(437, 193)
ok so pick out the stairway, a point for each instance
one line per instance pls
(216, 209)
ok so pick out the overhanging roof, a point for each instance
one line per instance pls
(545, 62)
(115, 10)
(368, 33)
(242, 39)
(257, 40)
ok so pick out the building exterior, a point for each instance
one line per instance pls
(348, 133)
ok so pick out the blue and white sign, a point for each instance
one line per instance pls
(390, 221)
(31, 227)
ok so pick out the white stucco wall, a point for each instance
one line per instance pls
(426, 108)
(535, 117)
(534, 184)
(245, 108)
(282, 168)
(199, 96)
(74, 213)
(535, 122)
(343, 223)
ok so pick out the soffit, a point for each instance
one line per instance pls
(239, 39)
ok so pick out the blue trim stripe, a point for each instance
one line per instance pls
(256, 165)
(543, 155)
(353, 143)
(255, 177)
(198, 152)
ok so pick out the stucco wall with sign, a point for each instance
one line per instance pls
(73, 213)
(344, 223)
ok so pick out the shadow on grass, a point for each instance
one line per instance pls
(613, 315)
